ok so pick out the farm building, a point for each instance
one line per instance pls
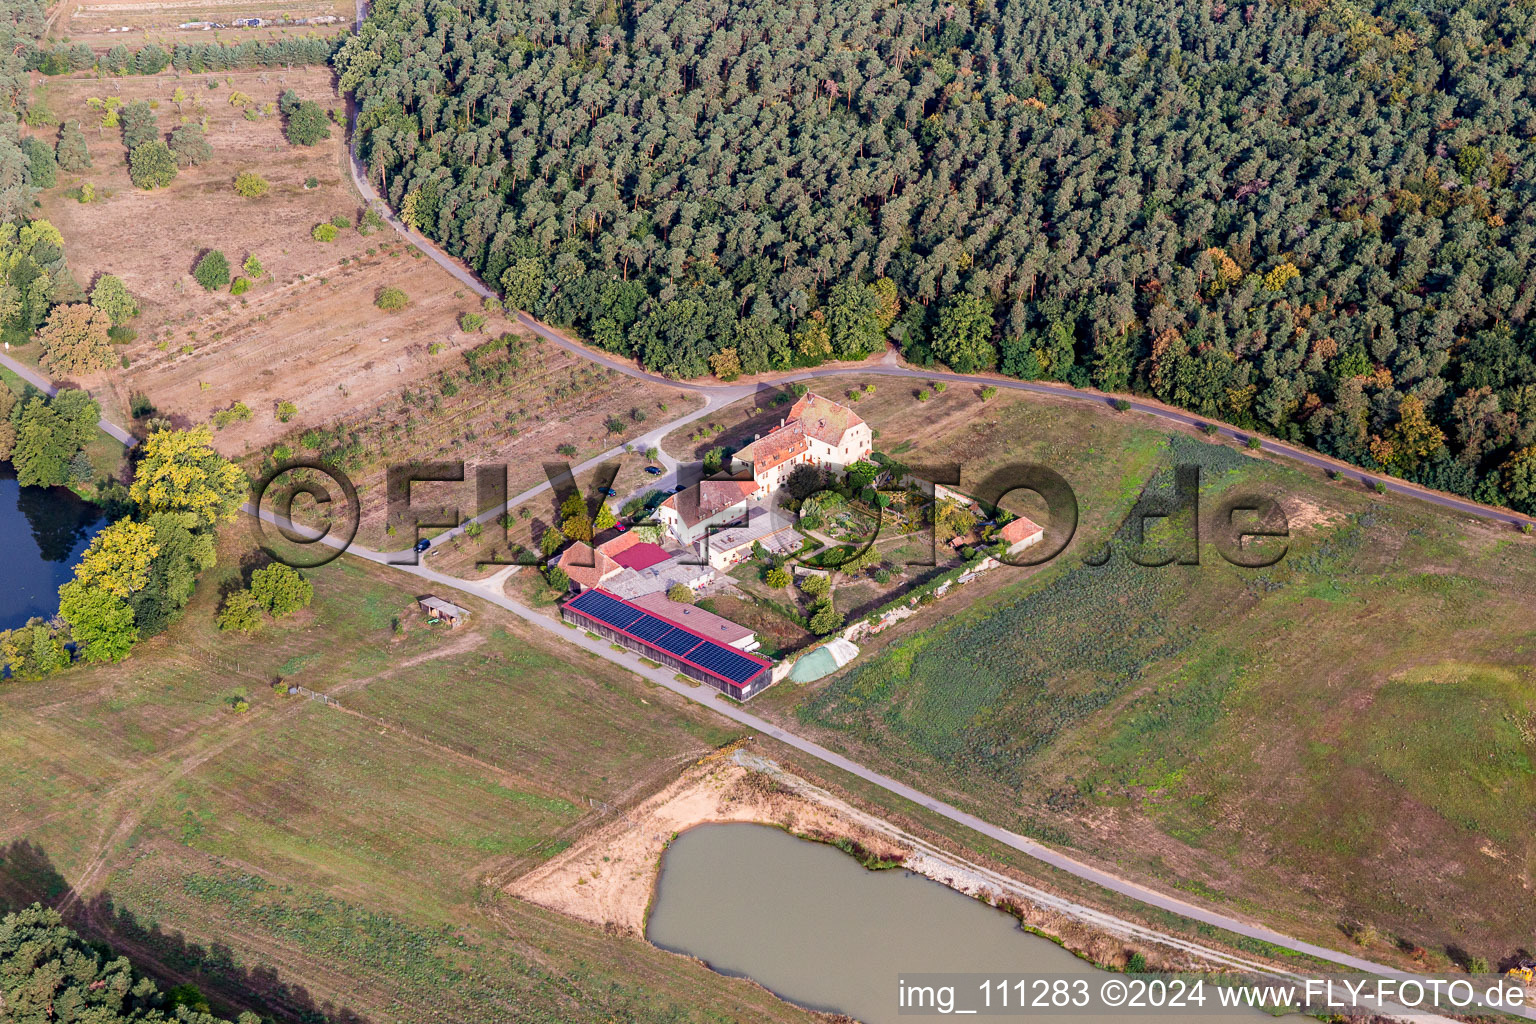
(1020, 534)
(718, 628)
(733, 544)
(444, 611)
(732, 672)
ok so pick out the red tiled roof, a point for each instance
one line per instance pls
(778, 447)
(823, 419)
(585, 567)
(709, 497)
(1019, 529)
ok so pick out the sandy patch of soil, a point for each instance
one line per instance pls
(608, 879)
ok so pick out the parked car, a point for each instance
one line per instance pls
(653, 470)
(620, 527)
(422, 545)
(610, 492)
(680, 488)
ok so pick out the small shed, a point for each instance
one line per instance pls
(444, 611)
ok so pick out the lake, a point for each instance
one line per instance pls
(43, 530)
(809, 923)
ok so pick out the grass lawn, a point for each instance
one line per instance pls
(347, 862)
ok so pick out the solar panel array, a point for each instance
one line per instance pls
(722, 661)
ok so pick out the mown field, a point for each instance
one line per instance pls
(1343, 744)
(317, 862)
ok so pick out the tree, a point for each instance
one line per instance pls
(963, 336)
(391, 299)
(118, 559)
(1519, 479)
(51, 974)
(43, 446)
(180, 472)
(281, 589)
(251, 185)
(253, 267)
(7, 427)
(854, 315)
(324, 232)
(140, 126)
(725, 364)
(680, 593)
(72, 153)
(76, 340)
(111, 296)
(41, 162)
(825, 620)
(605, 519)
(190, 145)
(522, 284)
(212, 271)
(307, 122)
(777, 578)
(557, 578)
(240, 613)
(152, 165)
(100, 623)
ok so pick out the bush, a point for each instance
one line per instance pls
(391, 299)
(251, 185)
(341, 222)
(324, 233)
(212, 271)
(240, 286)
(281, 589)
(237, 413)
(1121, 405)
(152, 165)
(1255, 443)
(285, 411)
(241, 613)
(815, 586)
(253, 267)
(776, 578)
(679, 593)
(471, 323)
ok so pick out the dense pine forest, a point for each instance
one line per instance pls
(1314, 218)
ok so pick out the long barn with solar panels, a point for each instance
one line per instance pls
(733, 672)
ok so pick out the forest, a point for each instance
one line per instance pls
(1307, 217)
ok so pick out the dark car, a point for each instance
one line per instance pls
(422, 545)
(653, 470)
(610, 492)
(680, 488)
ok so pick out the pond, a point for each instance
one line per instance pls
(43, 532)
(810, 924)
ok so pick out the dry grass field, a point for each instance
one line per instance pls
(307, 332)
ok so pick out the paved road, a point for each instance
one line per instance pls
(46, 386)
